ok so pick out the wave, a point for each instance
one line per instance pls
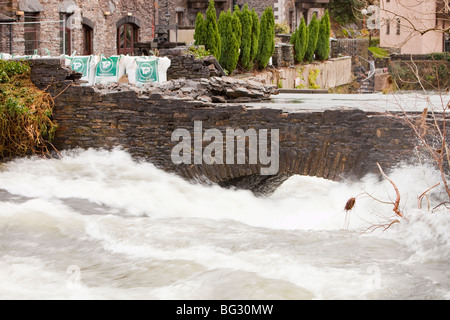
(122, 221)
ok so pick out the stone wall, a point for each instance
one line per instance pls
(184, 12)
(351, 47)
(283, 55)
(332, 73)
(331, 143)
(434, 72)
(185, 65)
(258, 5)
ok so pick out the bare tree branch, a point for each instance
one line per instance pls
(397, 200)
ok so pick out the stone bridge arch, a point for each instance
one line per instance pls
(332, 144)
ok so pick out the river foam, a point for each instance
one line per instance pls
(98, 224)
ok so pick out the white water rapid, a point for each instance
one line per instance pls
(99, 225)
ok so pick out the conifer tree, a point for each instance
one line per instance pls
(200, 32)
(237, 25)
(293, 37)
(212, 41)
(229, 27)
(255, 36)
(246, 40)
(266, 46)
(323, 41)
(301, 41)
(313, 32)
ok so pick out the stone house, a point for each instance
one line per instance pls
(415, 26)
(89, 27)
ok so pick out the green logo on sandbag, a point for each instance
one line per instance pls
(107, 67)
(80, 65)
(147, 71)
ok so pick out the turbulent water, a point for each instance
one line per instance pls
(99, 225)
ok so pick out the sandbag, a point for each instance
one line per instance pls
(86, 66)
(144, 70)
(5, 56)
(108, 70)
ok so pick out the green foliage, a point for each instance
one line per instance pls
(200, 30)
(378, 52)
(281, 28)
(25, 112)
(237, 25)
(11, 68)
(237, 11)
(293, 37)
(323, 41)
(266, 46)
(313, 33)
(255, 35)
(300, 41)
(199, 52)
(212, 41)
(246, 39)
(374, 42)
(439, 56)
(301, 78)
(230, 30)
(345, 11)
(312, 78)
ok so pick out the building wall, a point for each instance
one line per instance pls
(183, 13)
(401, 23)
(77, 12)
(258, 5)
(6, 6)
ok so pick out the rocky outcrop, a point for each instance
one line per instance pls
(208, 90)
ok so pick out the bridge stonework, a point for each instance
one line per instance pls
(333, 144)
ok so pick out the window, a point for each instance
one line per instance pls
(291, 21)
(179, 18)
(66, 35)
(87, 40)
(31, 32)
(127, 35)
(398, 25)
(388, 26)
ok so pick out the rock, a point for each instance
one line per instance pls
(205, 99)
(186, 90)
(218, 99)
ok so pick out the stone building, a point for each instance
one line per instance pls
(112, 27)
(97, 26)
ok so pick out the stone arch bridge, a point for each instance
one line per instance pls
(333, 144)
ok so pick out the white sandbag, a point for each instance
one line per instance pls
(86, 66)
(143, 70)
(109, 70)
(25, 57)
(5, 56)
(163, 65)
